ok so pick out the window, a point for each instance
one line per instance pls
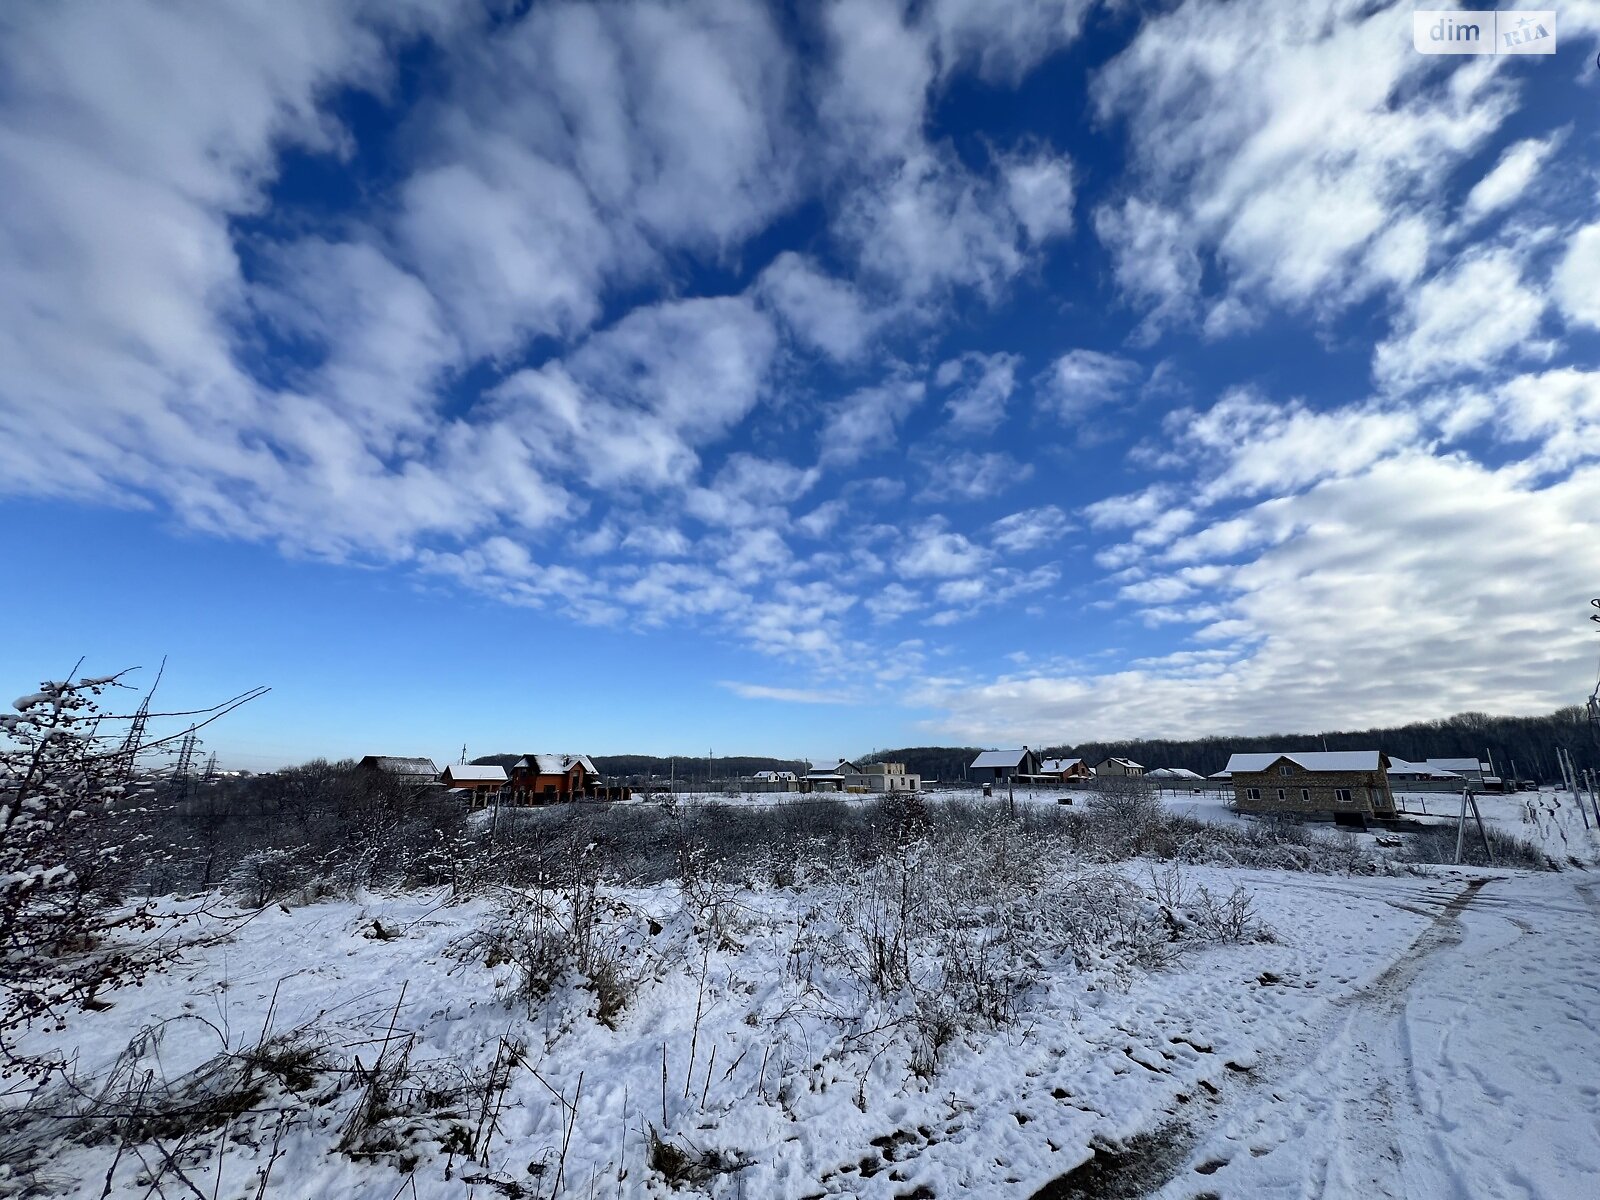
(1252, 793)
(1305, 795)
(1280, 793)
(1285, 769)
(1344, 795)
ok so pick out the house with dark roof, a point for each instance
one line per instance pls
(406, 770)
(998, 766)
(1348, 785)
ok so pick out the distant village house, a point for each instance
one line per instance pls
(419, 771)
(552, 778)
(1065, 770)
(999, 766)
(1119, 766)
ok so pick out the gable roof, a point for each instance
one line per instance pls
(1173, 773)
(1319, 760)
(843, 767)
(1051, 765)
(1126, 762)
(555, 764)
(479, 774)
(1425, 770)
(399, 765)
(999, 758)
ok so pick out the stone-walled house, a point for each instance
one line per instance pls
(1349, 785)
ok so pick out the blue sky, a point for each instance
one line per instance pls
(659, 377)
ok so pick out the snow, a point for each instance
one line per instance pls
(1402, 1037)
(557, 764)
(1463, 1069)
(490, 774)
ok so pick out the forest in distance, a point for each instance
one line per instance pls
(1525, 746)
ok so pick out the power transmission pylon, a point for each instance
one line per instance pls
(184, 767)
(127, 755)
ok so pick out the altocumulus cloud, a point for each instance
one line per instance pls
(1272, 398)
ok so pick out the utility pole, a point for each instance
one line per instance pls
(1568, 777)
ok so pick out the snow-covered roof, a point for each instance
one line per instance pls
(556, 764)
(1123, 762)
(1457, 765)
(1173, 773)
(479, 774)
(999, 758)
(1318, 760)
(398, 765)
(1422, 770)
(843, 766)
(1052, 766)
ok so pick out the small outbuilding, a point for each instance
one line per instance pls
(480, 782)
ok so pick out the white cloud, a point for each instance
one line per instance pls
(969, 475)
(822, 311)
(1029, 529)
(981, 403)
(1039, 188)
(761, 691)
(1304, 147)
(821, 519)
(1510, 178)
(1003, 41)
(578, 143)
(1157, 262)
(1374, 612)
(1576, 285)
(930, 225)
(1082, 381)
(864, 422)
(1467, 318)
(1135, 508)
(630, 405)
(932, 551)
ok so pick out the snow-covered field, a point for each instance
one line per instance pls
(1398, 1036)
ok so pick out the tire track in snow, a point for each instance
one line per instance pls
(1338, 1078)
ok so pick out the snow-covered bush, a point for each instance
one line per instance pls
(267, 876)
(71, 800)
